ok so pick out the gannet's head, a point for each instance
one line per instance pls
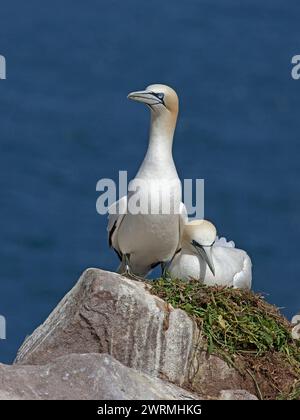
(201, 235)
(160, 98)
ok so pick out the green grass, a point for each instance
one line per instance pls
(235, 323)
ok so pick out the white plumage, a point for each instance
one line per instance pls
(145, 240)
(296, 319)
(211, 260)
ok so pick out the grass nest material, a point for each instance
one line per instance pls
(243, 329)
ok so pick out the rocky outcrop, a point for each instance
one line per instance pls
(108, 314)
(236, 394)
(84, 377)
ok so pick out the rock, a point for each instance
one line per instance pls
(236, 394)
(107, 313)
(84, 377)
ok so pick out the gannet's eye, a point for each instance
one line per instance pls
(160, 95)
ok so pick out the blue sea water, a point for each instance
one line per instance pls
(65, 123)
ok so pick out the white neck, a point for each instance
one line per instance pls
(160, 142)
(186, 246)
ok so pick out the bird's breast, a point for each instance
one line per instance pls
(154, 196)
(154, 237)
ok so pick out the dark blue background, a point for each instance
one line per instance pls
(66, 122)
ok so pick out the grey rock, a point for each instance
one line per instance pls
(108, 313)
(84, 376)
(236, 394)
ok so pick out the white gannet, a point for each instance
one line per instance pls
(211, 260)
(296, 319)
(143, 241)
(296, 328)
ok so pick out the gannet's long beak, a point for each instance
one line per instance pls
(205, 253)
(145, 96)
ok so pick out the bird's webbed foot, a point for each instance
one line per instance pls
(128, 272)
(133, 276)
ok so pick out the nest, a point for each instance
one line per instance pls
(243, 329)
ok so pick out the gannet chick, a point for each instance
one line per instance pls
(143, 241)
(212, 261)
